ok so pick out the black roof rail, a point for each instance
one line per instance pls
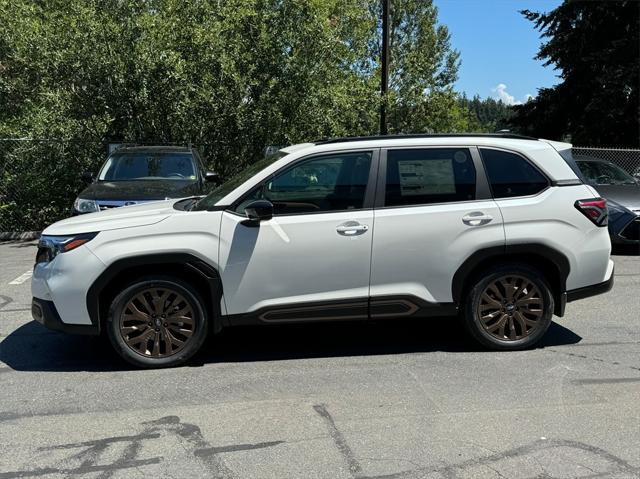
(132, 146)
(325, 141)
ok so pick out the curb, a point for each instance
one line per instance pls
(16, 236)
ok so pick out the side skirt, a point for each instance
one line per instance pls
(346, 310)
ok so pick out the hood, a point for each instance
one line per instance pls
(139, 190)
(125, 217)
(627, 196)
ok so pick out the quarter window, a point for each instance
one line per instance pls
(334, 182)
(433, 175)
(511, 175)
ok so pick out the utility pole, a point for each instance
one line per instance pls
(384, 74)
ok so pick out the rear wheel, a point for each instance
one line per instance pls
(509, 308)
(157, 322)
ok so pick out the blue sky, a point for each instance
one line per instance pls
(497, 45)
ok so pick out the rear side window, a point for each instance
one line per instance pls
(511, 175)
(431, 175)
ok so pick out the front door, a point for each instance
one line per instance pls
(312, 260)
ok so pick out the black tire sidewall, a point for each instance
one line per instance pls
(119, 302)
(475, 327)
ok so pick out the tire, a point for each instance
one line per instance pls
(150, 334)
(502, 322)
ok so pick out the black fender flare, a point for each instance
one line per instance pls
(192, 263)
(522, 250)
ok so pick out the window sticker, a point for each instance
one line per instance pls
(426, 177)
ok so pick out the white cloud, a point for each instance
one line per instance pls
(500, 93)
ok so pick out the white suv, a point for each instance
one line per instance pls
(495, 228)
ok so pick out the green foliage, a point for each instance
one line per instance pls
(596, 48)
(489, 115)
(238, 74)
(40, 179)
(229, 76)
(423, 67)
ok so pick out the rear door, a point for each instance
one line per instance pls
(433, 210)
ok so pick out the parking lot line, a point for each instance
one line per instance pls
(22, 278)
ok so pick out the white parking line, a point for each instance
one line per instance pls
(22, 278)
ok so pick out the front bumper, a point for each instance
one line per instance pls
(104, 205)
(625, 230)
(45, 313)
(65, 282)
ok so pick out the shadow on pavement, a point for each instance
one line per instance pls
(33, 348)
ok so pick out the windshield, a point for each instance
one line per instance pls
(228, 186)
(602, 173)
(148, 165)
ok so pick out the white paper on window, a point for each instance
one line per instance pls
(431, 177)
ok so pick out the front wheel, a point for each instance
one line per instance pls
(157, 322)
(509, 308)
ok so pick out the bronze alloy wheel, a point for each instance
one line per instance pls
(511, 308)
(157, 322)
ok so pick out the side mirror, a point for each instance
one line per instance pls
(212, 176)
(87, 177)
(259, 210)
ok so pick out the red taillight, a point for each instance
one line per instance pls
(595, 209)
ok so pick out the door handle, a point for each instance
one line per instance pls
(351, 228)
(476, 218)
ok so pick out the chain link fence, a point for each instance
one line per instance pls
(626, 158)
(39, 179)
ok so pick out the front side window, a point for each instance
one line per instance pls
(232, 183)
(335, 182)
(511, 175)
(431, 175)
(127, 166)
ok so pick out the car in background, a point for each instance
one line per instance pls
(622, 192)
(140, 174)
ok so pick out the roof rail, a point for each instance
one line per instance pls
(325, 141)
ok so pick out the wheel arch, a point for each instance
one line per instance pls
(116, 276)
(552, 263)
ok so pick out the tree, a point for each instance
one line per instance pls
(422, 69)
(488, 115)
(596, 47)
(228, 76)
(238, 74)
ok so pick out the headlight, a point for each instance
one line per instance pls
(85, 206)
(51, 246)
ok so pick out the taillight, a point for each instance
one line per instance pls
(595, 209)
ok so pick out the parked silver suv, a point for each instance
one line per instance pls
(495, 228)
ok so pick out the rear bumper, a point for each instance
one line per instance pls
(584, 292)
(45, 313)
(592, 290)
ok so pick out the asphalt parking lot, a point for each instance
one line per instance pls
(394, 399)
